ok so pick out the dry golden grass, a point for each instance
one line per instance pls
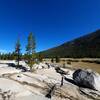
(86, 65)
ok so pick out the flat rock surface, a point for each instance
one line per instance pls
(17, 85)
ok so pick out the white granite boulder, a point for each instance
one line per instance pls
(87, 78)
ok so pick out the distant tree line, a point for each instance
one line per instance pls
(8, 56)
(13, 56)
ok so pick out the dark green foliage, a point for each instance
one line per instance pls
(86, 46)
(25, 56)
(30, 50)
(17, 51)
(57, 59)
(13, 56)
(52, 60)
(39, 56)
(8, 56)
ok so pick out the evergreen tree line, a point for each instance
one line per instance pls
(8, 56)
(13, 56)
(30, 55)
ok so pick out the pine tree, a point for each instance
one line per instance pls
(0, 56)
(30, 49)
(40, 57)
(17, 51)
(52, 60)
(57, 59)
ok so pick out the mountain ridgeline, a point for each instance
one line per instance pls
(85, 46)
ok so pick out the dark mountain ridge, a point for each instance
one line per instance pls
(85, 46)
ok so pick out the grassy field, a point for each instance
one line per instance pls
(86, 65)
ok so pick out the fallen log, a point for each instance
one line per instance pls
(60, 71)
(51, 92)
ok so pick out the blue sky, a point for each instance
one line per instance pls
(53, 22)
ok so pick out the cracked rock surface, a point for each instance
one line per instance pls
(17, 85)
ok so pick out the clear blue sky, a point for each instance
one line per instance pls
(52, 21)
